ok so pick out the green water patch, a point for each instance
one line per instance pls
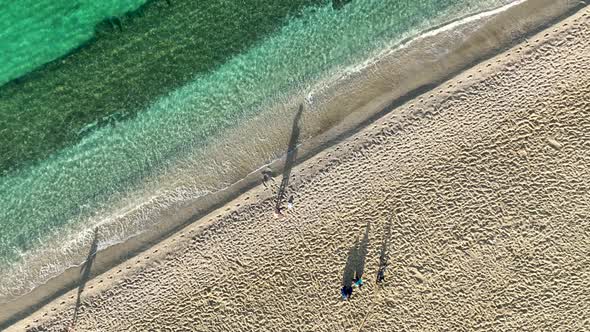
(70, 186)
(34, 32)
(132, 60)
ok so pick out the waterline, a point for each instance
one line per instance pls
(167, 156)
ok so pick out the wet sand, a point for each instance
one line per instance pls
(482, 183)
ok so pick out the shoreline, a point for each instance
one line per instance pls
(358, 119)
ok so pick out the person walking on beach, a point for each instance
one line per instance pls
(346, 292)
(358, 281)
(278, 212)
(381, 275)
(266, 177)
(290, 202)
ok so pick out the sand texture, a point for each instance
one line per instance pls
(474, 195)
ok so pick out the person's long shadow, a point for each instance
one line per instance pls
(290, 160)
(355, 263)
(362, 254)
(384, 254)
(348, 274)
(85, 273)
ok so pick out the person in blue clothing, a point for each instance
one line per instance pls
(358, 281)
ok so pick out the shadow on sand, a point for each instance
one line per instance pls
(290, 160)
(384, 254)
(85, 273)
(355, 263)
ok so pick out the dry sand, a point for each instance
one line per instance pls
(482, 181)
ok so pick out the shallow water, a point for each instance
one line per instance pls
(176, 149)
(131, 61)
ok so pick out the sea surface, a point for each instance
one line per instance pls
(34, 32)
(114, 111)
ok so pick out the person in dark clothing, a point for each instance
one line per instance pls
(346, 292)
(266, 177)
(381, 274)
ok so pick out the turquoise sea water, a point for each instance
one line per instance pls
(49, 208)
(33, 32)
(132, 60)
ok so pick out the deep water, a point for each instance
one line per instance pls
(34, 32)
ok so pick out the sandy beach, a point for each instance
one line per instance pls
(472, 199)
